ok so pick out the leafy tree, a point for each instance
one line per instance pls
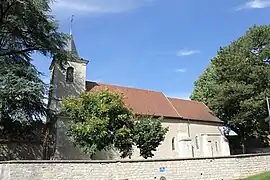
(26, 27)
(101, 121)
(148, 133)
(236, 84)
(21, 92)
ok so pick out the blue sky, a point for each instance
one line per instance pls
(162, 45)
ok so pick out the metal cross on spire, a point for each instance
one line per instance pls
(71, 24)
(70, 42)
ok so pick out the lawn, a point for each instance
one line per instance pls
(264, 176)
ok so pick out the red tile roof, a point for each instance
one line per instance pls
(193, 110)
(147, 102)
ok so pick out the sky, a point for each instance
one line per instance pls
(161, 45)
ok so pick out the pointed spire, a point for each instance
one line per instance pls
(72, 46)
(70, 42)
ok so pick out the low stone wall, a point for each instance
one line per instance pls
(218, 168)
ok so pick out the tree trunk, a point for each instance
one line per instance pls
(49, 140)
(45, 143)
(243, 145)
(243, 148)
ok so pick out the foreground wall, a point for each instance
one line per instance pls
(221, 168)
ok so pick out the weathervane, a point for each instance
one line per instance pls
(71, 24)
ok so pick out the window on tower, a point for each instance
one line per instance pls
(197, 142)
(173, 143)
(70, 74)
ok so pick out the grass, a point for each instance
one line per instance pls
(264, 176)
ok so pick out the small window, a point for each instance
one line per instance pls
(173, 143)
(216, 144)
(197, 142)
(70, 74)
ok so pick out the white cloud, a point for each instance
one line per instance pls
(182, 70)
(80, 7)
(179, 95)
(187, 52)
(254, 4)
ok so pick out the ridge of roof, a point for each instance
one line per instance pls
(117, 85)
(186, 100)
(141, 89)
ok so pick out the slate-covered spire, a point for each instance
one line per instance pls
(71, 43)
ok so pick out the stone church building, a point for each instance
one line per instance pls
(194, 131)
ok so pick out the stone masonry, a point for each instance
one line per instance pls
(218, 168)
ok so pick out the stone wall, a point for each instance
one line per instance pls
(221, 168)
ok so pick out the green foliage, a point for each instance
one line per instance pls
(263, 176)
(236, 83)
(146, 129)
(101, 121)
(26, 28)
(21, 92)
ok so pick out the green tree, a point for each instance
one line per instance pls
(101, 121)
(236, 84)
(21, 92)
(26, 28)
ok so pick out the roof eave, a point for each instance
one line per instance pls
(182, 118)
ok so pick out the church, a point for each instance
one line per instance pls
(194, 131)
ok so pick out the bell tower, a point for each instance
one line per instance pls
(68, 80)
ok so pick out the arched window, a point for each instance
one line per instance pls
(173, 143)
(70, 74)
(197, 142)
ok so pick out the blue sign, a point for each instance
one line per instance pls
(162, 169)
